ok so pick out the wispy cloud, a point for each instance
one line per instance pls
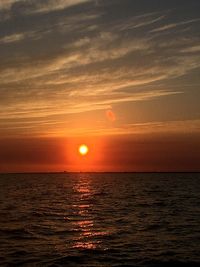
(139, 21)
(174, 25)
(176, 126)
(12, 38)
(192, 49)
(39, 5)
(56, 62)
(6, 4)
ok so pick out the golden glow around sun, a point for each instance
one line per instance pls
(83, 150)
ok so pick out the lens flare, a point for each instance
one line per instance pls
(110, 115)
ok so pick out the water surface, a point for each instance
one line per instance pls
(99, 219)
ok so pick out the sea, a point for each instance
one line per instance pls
(100, 219)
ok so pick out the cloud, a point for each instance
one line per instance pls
(52, 5)
(6, 4)
(174, 25)
(12, 38)
(40, 6)
(192, 49)
(58, 60)
(10, 9)
(139, 21)
(176, 126)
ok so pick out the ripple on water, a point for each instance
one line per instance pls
(99, 220)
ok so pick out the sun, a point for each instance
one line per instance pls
(83, 150)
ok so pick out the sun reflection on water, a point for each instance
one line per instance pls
(84, 223)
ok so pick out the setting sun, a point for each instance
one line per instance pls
(83, 150)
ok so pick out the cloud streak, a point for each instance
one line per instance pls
(71, 56)
(174, 25)
(40, 6)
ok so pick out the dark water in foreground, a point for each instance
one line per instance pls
(99, 219)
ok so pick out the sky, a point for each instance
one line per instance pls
(121, 76)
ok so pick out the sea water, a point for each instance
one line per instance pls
(100, 219)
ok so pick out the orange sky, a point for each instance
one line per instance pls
(121, 76)
(171, 152)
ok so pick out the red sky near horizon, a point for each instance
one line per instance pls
(120, 76)
(173, 152)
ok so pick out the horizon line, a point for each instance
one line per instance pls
(68, 172)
